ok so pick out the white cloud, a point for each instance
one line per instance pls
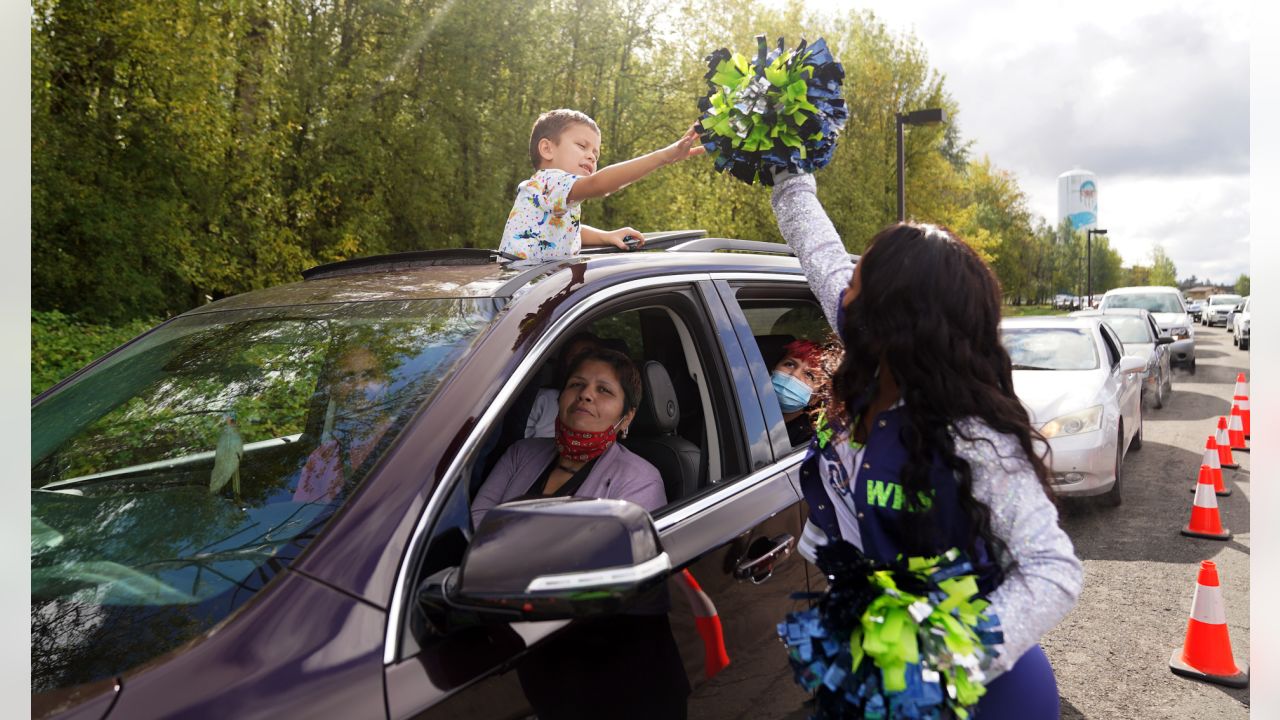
(1152, 96)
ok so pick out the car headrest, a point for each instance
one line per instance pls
(659, 411)
(771, 348)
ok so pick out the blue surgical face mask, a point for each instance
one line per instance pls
(792, 394)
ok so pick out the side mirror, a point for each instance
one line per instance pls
(1164, 340)
(1132, 364)
(551, 559)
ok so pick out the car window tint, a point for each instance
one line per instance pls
(1113, 344)
(1050, 348)
(173, 481)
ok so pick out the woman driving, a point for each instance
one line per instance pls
(597, 404)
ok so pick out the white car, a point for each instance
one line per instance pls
(1240, 326)
(1083, 393)
(1217, 308)
(1165, 304)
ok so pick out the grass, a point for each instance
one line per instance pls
(1024, 310)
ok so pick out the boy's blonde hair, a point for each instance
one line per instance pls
(550, 125)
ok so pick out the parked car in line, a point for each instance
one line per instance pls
(1194, 308)
(1240, 325)
(1083, 393)
(1218, 308)
(1142, 337)
(1165, 305)
(185, 565)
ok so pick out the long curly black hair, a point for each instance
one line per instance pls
(930, 306)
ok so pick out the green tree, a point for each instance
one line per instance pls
(1242, 284)
(1163, 271)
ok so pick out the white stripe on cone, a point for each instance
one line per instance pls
(1205, 497)
(1207, 607)
(1211, 458)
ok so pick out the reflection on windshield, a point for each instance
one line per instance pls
(179, 477)
(1154, 303)
(1050, 349)
(1130, 328)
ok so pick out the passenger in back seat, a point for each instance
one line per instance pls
(799, 381)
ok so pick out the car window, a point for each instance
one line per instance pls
(1050, 348)
(1113, 344)
(1130, 328)
(1225, 300)
(1151, 302)
(1155, 329)
(175, 479)
(782, 326)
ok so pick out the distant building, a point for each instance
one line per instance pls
(1200, 292)
(1078, 199)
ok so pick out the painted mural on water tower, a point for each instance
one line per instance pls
(1078, 199)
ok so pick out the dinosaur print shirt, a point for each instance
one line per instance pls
(543, 224)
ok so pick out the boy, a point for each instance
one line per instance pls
(545, 222)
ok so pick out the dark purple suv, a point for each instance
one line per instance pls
(260, 508)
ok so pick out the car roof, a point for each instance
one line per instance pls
(1051, 321)
(1110, 311)
(486, 273)
(1136, 289)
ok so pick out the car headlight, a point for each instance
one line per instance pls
(1078, 422)
(1181, 332)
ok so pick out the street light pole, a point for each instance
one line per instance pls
(918, 117)
(1089, 241)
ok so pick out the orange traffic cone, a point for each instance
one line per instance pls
(1205, 521)
(708, 622)
(1235, 430)
(1209, 464)
(1224, 446)
(1206, 652)
(1240, 396)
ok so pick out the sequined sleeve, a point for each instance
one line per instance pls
(807, 229)
(1042, 576)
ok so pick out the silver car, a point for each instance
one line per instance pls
(1084, 395)
(1142, 337)
(1165, 304)
(1218, 308)
(1240, 326)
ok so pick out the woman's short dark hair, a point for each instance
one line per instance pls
(628, 374)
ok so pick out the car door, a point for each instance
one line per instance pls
(1127, 386)
(1163, 359)
(733, 535)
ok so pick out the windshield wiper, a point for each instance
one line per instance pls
(1016, 366)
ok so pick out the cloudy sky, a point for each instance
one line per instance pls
(1151, 95)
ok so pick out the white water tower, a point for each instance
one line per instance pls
(1078, 199)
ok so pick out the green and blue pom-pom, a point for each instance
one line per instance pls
(905, 640)
(780, 111)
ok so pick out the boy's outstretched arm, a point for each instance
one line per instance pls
(615, 177)
(618, 238)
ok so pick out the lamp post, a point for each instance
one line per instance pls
(1089, 241)
(918, 117)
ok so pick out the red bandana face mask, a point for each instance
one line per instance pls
(583, 445)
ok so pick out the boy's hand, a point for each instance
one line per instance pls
(618, 238)
(684, 148)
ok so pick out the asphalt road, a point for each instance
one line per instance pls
(1111, 653)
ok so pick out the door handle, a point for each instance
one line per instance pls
(762, 556)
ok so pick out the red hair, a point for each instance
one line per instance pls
(805, 350)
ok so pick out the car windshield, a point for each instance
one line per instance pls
(176, 478)
(1050, 348)
(1225, 300)
(1130, 328)
(1151, 302)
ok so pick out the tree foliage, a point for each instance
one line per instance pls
(1242, 284)
(194, 149)
(1163, 271)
